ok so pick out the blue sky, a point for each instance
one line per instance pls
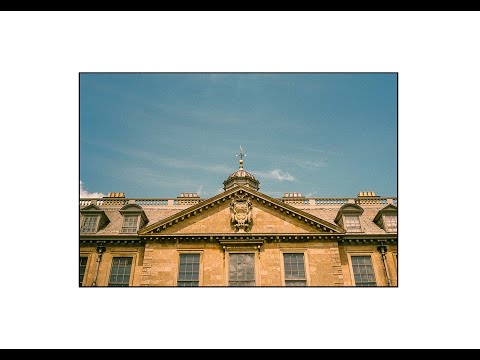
(157, 135)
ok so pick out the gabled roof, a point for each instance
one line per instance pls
(353, 209)
(95, 210)
(134, 209)
(316, 224)
(387, 210)
(91, 209)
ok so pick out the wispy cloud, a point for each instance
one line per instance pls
(201, 192)
(146, 177)
(316, 164)
(169, 162)
(297, 159)
(276, 174)
(85, 194)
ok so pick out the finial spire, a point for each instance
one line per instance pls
(241, 156)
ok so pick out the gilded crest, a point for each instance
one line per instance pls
(241, 212)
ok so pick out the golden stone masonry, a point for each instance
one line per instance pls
(240, 237)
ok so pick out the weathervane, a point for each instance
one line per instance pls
(241, 156)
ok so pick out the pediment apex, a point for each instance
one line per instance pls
(256, 198)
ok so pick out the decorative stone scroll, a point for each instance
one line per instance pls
(241, 212)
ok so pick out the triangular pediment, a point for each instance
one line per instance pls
(266, 216)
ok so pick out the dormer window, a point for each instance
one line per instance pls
(348, 217)
(386, 218)
(93, 219)
(134, 218)
(130, 224)
(390, 222)
(89, 224)
(352, 223)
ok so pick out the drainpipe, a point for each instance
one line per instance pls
(100, 251)
(383, 250)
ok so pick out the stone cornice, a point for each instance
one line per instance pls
(115, 237)
(368, 240)
(318, 225)
(300, 237)
(111, 241)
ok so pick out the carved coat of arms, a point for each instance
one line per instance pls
(241, 212)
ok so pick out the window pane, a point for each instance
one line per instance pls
(390, 222)
(242, 270)
(120, 272)
(352, 223)
(294, 269)
(188, 270)
(89, 224)
(130, 224)
(363, 271)
(83, 266)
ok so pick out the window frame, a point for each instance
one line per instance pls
(200, 265)
(84, 219)
(87, 265)
(255, 266)
(125, 216)
(305, 264)
(344, 220)
(379, 219)
(385, 227)
(114, 254)
(352, 273)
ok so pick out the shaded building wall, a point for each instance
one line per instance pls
(346, 251)
(136, 252)
(156, 263)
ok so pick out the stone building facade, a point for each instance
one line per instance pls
(240, 237)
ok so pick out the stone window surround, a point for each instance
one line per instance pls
(256, 264)
(87, 266)
(122, 253)
(305, 263)
(200, 271)
(362, 252)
